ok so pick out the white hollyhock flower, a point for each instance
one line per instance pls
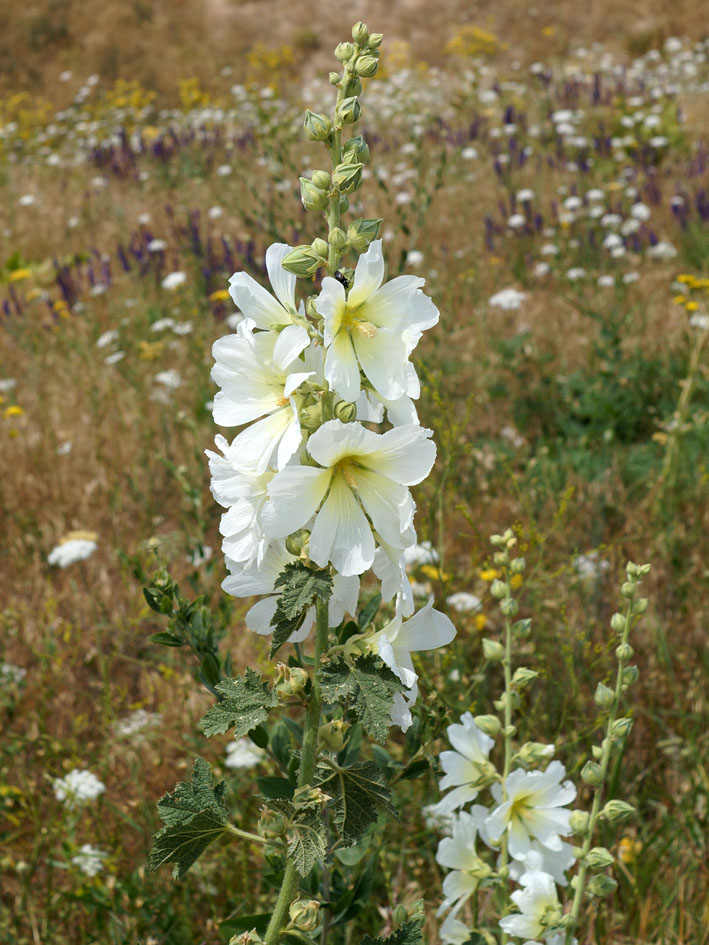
(539, 858)
(361, 472)
(371, 405)
(465, 766)
(457, 853)
(78, 787)
(538, 904)
(260, 580)
(389, 565)
(258, 374)
(453, 931)
(258, 304)
(534, 809)
(243, 492)
(376, 327)
(428, 629)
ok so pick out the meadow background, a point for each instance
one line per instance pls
(147, 151)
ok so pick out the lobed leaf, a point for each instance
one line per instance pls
(359, 795)
(245, 705)
(368, 686)
(407, 934)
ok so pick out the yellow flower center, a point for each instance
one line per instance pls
(353, 319)
(346, 468)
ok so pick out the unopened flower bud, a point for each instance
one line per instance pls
(356, 150)
(640, 605)
(311, 418)
(489, 724)
(334, 78)
(517, 565)
(617, 811)
(360, 233)
(578, 822)
(353, 86)
(604, 696)
(349, 110)
(317, 127)
(344, 51)
(246, 938)
(533, 753)
(501, 557)
(597, 752)
(337, 238)
(492, 650)
(630, 675)
(366, 66)
(301, 261)
(321, 248)
(321, 179)
(347, 177)
(333, 735)
(498, 588)
(618, 622)
(345, 411)
(360, 33)
(375, 40)
(522, 628)
(621, 727)
(312, 197)
(624, 652)
(628, 589)
(591, 773)
(400, 915)
(601, 885)
(523, 676)
(599, 858)
(271, 824)
(509, 606)
(290, 681)
(307, 796)
(304, 914)
(344, 203)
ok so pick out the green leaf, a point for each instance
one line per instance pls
(299, 587)
(368, 612)
(407, 934)
(194, 815)
(166, 639)
(272, 787)
(245, 705)
(245, 923)
(368, 686)
(307, 840)
(359, 795)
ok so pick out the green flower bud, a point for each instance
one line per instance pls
(347, 177)
(360, 33)
(534, 753)
(375, 40)
(493, 651)
(349, 110)
(246, 938)
(617, 811)
(311, 419)
(624, 652)
(597, 752)
(522, 628)
(290, 681)
(360, 233)
(618, 622)
(297, 543)
(344, 206)
(628, 589)
(509, 606)
(517, 565)
(317, 127)
(356, 150)
(312, 197)
(630, 675)
(321, 179)
(498, 588)
(337, 238)
(636, 571)
(400, 915)
(344, 51)
(271, 823)
(640, 605)
(321, 248)
(621, 728)
(604, 697)
(304, 914)
(601, 885)
(366, 66)
(333, 735)
(501, 557)
(489, 724)
(591, 773)
(302, 261)
(353, 86)
(307, 796)
(334, 78)
(599, 858)
(510, 731)
(345, 411)
(578, 822)
(523, 676)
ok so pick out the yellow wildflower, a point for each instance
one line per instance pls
(19, 274)
(480, 621)
(221, 295)
(14, 411)
(432, 572)
(490, 574)
(680, 299)
(516, 580)
(692, 306)
(685, 277)
(80, 534)
(150, 350)
(628, 849)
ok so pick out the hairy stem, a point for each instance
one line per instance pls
(507, 733)
(308, 759)
(333, 214)
(598, 789)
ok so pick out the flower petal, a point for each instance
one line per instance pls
(369, 275)
(295, 493)
(341, 533)
(341, 368)
(283, 282)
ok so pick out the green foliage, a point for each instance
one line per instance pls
(194, 815)
(366, 686)
(359, 795)
(300, 586)
(407, 934)
(305, 834)
(244, 705)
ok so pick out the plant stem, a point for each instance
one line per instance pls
(333, 214)
(507, 733)
(598, 789)
(245, 835)
(308, 759)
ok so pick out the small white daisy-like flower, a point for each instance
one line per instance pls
(89, 860)
(242, 753)
(173, 280)
(136, 722)
(170, 379)
(507, 299)
(78, 787)
(9, 673)
(74, 546)
(464, 603)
